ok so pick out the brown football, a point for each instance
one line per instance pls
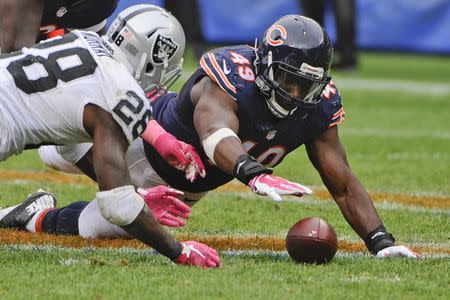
(311, 240)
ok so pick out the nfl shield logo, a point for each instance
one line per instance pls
(271, 134)
(164, 48)
(61, 12)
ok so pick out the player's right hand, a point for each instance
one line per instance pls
(198, 254)
(165, 207)
(397, 251)
(178, 154)
(274, 187)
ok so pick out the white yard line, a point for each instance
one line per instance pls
(387, 85)
(386, 205)
(391, 85)
(394, 133)
(230, 253)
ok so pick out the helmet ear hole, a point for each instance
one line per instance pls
(151, 33)
(148, 68)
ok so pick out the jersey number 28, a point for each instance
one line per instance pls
(33, 74)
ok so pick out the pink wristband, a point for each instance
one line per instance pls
(152, 132)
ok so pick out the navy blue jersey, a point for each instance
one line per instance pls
(268, 138)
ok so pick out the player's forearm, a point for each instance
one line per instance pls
(149, 231)
(226, 154)
(357, 207)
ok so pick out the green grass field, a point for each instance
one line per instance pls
(397, 138)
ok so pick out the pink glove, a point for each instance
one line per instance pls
(274, 186)
(397, 251)
(198, 254)
(167, 209)
(178, 154)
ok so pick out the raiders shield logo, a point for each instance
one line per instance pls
(164, 48)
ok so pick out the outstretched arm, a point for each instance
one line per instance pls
(328, 156)
(118, 201)
(215, 110)
(217, 124)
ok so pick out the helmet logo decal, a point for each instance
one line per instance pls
(163, 49)
(276, 35)
(310, 70)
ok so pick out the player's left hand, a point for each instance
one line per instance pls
(274, 186)
(180, 155)
(165, 207)
(398, 251)
(177, 153)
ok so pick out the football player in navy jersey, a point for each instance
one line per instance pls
(245, 109)
(23, 23)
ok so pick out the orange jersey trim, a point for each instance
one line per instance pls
(340, 114)
(219, 71)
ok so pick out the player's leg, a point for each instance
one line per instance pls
(314, 9)
(58, 220)
(346, 33)
(81, 218)
(91, 224)
(19, 216)
(64, 158)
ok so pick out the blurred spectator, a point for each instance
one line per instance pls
(344, 15)
(188, 13)
(24, 22)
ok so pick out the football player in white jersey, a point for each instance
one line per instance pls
(24, 22)
(83, 88)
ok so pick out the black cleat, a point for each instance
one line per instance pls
(19, 215)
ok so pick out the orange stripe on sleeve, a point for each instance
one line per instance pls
(212, 76)
(224, 78)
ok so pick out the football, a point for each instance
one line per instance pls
(311, 240)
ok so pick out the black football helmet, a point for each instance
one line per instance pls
(292, 65)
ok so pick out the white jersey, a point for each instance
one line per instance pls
(44, 89)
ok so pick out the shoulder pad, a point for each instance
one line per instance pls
(230, 67)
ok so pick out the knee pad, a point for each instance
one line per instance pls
(120, 206)
(92, 225)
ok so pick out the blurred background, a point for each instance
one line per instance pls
(389, 25)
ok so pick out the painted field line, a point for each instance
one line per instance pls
(128, 250)
(395, 133)
(223, 243)
(422, 200)
(45, 176)
(428, 201)
(380, 85)
(392, 85)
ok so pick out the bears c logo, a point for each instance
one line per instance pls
(276, 35)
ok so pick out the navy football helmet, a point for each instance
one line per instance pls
(293, 64)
